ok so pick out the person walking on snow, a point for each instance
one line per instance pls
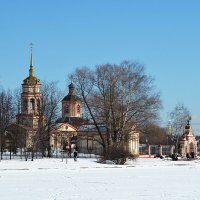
(75, 154)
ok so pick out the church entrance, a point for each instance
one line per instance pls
(191, 148)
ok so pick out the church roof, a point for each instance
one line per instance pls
(31, 80)
(71, 85)
(92, 128)
(14, 126)
(71, 98)
(75, 121)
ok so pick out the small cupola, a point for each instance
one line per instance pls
(71, 89)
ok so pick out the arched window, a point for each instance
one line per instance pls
(38, 105)
(66, 109)
(25, 104)
(32, 104)
(78, 109)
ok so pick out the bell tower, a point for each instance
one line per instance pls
(30, 99)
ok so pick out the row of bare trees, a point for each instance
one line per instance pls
(7, 114)
(179, 117)
(7, 109)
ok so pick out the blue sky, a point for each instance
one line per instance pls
(162, 35)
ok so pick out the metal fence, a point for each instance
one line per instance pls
(154, 149)
(57, 153)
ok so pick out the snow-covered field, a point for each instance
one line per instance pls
(51, 179)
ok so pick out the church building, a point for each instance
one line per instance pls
(70, 131)
(65, 133)
(73, 131)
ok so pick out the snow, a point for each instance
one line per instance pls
(141, 179)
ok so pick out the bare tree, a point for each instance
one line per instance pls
(7, 114)
(48, 112)
(6, 108)
(178, 119)
(153, 134)
(118, 96)
(17, 133)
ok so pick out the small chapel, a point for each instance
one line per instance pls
(188, 142)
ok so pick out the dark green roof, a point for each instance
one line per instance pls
(71, 86)
(32, 80)
(76, 121)
(71, 98)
